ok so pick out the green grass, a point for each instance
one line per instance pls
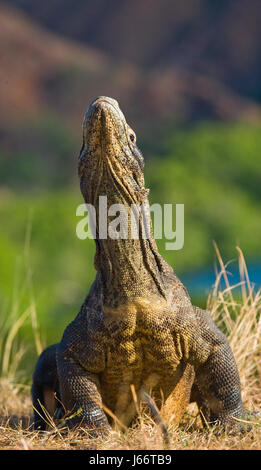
(214, 170)
(42, 260)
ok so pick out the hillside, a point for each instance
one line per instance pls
(220, 39)
(36, 67)
(43, 72)
(47, 80)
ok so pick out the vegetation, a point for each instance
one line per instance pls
(46, 270)
(211, 168)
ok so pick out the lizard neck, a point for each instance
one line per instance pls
(130, 267)
(110, 166)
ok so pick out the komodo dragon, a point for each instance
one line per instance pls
(137, 324)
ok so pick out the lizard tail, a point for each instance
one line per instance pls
(157, 418)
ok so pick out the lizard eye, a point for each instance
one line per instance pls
(132, 135)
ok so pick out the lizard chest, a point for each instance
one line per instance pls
(142, 345)
(143, 357)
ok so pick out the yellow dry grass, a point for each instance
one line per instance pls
(236, 310)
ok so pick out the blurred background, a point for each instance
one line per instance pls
(187, 75)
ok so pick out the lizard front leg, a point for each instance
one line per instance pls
(80, 394)
(207, 349)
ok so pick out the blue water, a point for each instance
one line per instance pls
(200, 283)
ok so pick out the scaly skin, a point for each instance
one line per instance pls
(137, 325)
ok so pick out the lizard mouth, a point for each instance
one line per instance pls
(104, 106)
(105, 99)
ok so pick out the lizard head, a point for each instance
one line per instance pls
(109, 162)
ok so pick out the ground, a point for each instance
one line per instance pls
(237, 313)
(145, 435)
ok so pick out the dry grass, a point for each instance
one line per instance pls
(237, 311)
